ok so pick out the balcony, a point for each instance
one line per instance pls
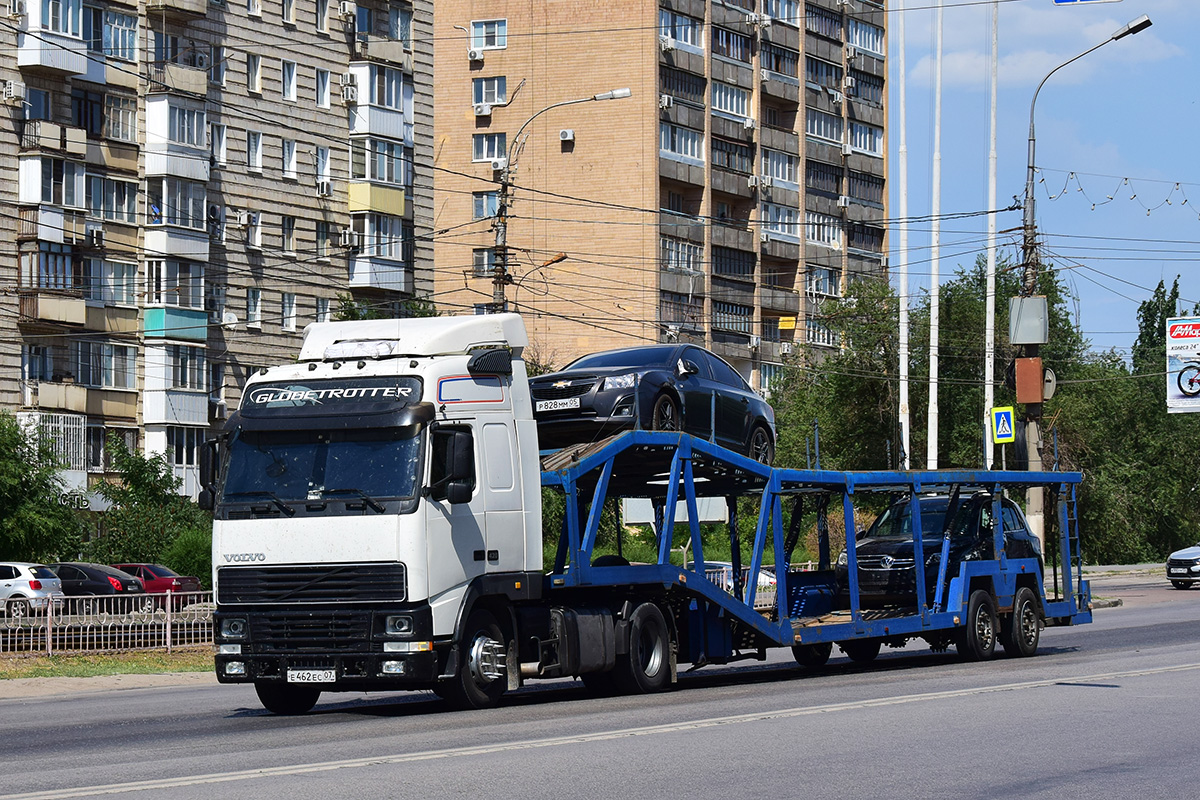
(176, 323)
(175, 407)
(379, 48)
(181, 10)
(785, 301)
(84, 400)
(680, 226)
(49, 51)
(51, 224)
(112, 319)
(380, 273)
(377, 198)
(170, 77)
(45, 305)
(177, 242)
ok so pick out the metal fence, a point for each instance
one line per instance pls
(105, 624)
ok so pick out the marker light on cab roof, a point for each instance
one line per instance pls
(377, 348)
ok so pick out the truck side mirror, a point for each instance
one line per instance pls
(209, 458)
(452, 473)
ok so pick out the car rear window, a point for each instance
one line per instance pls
(42, 572)
(159, 571)
(638, 357)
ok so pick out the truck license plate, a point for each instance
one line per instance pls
(556, 405)
(311, 676)
(1178, 570)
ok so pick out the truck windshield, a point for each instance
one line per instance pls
(303, 465)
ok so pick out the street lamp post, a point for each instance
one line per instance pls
(1033, 411)
(500, 273)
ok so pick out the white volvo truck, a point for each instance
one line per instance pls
(378, 526)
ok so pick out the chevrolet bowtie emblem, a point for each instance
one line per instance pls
(561, 384)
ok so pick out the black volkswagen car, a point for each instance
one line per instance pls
(886, 567)
(659, 387)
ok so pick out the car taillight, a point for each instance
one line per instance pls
(175, 584)
(35, 584)
(116, 583)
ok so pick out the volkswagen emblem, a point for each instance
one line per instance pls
(886, 562)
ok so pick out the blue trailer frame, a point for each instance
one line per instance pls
(721, 623)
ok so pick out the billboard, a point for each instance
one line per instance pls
(1183, 364)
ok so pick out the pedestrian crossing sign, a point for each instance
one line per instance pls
(1002, 425)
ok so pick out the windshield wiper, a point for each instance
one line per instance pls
(274, 498)
(374, 504)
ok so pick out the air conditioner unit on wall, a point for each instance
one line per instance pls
(16, 9)
(475, 54)
(324, 188)
(666, 43)
(499, 163)
(14, 90)
(752, 181)
(566, 135)
(347, 9)
(765, 181)
(348, 79)
(243, 219)
(201, 60)
(350, 95)
(665, 101)
(749, 124)
(350, 239)
(482, 109)
(847, 149)
(843, 201)
(849, 82)
(785, 348)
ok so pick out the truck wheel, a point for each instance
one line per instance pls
(482, 673)
(287, 699)
(646, 667)
(976, 640)
(861, 651)
(1024, 628)
(812, 656)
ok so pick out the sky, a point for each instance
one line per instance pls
(1118, 192)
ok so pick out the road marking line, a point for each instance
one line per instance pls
(533, 744)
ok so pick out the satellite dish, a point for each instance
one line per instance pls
(228, 320)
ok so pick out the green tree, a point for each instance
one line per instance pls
(34, 525)
(350, 308)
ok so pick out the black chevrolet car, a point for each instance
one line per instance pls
(886, 567)
(659, 387)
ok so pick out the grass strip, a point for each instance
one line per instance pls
(87, 665)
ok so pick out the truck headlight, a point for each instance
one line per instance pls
(233, 628)
(398, 625)
(618, 382)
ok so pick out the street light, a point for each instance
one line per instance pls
(1033, 411)
(500, 276)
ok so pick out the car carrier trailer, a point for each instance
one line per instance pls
(377, 527)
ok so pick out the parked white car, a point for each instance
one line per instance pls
(26, 587)
(1183, 567)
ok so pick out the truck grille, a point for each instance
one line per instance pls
(548, 391)
(329, 583)
(346, 631)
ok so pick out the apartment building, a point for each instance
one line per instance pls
(741, 185)
(185, 185)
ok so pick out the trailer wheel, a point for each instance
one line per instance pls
(976, 640)
(481, 677)
(645, 668)
(287, 699)
(812, 656)
(862, 651)
(1024, 628)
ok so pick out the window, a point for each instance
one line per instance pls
(108, 366)
(822, 73)
(165, 47)
(865, 237)
(323, 309)
(254, 307)
(780, 220)
(489, 34)
(110, 282)
(486, 204)
(681, 29)
(364, 22)
(322, 88)
(731, 155)
(187, 367)
(216, 143)
(62, 16)
(112, 199)
(679, 141)
(254, 150)
(175, 201)
(678, 255)
(487, 146)
(254, 8)
(216, 381)
(322, 163)
(287, 227)
(287, 77)
(783, 10)
(87, 111)
(400, 25)
(183, 445)
(216, 64)
(866, 138)
(289, 159)
(120, 35)
(37, 104)
(865, 36)
(823, 229)
(732, 317)
(780, 60)
(866, 87)
(53, 266)
(730, 99)
(186, 125)
(175, 283)
(387, 87)
(824, 281)
(214, 302)
(867, 188)
(733, 263)
(253, 229)
(62, 182)
(731, 45)
(823, 178)
(253, 72)
(820, 125)
(817, 332)
(93, 29)
(288, 310)
(289, 11)
(384, 236)
(823, 22)
(120, 118)
(493, 91)
(36, 363)
(322, 239)
(484, 259)
(681, 85)
(683, 310)
(384, 161)
(780, 166)
(323, 15)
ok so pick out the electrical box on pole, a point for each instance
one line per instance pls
(1028, 320)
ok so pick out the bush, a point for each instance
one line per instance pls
(191, 554)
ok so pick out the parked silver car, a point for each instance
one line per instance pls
(1183, 567)
(26, 587)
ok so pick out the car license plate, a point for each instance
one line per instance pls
(556, 405)
(1177, 570)
(311, 676)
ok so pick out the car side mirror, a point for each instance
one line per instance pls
(687, 367)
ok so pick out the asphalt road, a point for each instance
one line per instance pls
(1106, 710)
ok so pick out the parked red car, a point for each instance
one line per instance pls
(160, 580)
